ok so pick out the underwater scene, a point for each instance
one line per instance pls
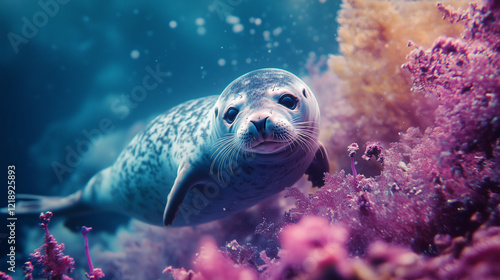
(237, 139)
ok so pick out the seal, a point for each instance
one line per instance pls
(211, 157)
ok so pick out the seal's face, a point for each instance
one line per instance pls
(266, 111)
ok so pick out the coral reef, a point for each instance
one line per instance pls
(316, 249)
(153, 248)
(51, 259)
(373, 99)
(463, 74)
(211, 264)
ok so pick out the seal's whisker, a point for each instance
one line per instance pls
(222, 164)
(311, 137)
(297, 139)
(220, 142)
(305, 140)
(222, 147)
(233, 156)
(306, 127)
(287, 138)
(227, 162)
(303, 122)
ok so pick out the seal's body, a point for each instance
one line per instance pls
(211, 157)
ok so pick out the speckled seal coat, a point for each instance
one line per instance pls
(215, 156)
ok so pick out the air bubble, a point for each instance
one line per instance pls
(134, 54)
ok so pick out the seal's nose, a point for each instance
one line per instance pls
(260, 125)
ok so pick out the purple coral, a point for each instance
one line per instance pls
(4, 276)
(96, 273)
(28, 271)
(313, 249)
(464, 74)
(212, 264)
(50, 255)
(373, 149)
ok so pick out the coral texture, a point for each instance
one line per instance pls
(373, 98)
(4, 276)
(212, 264)
(153, 248)
(463, 74)
(50, 255)
(28, 270)
(51, 259)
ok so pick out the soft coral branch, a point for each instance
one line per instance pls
(96, 273)
(50, 255)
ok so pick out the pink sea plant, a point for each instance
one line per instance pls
(51, 259)
(50, 255)
(212, 264)
(28, 270)
(96, 273)
(4, 276)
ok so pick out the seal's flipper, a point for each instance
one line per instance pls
(34, 204)
(318, 167)
(187, 176)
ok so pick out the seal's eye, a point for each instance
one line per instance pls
(288, 101)
(231, 115)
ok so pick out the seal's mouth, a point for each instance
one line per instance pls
(268, 146)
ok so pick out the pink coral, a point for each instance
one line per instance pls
(4, 276)
(28, 271)
(212, 264)
(464, 74)
(373, 149)
(366, 95)
(313, 249)
(95, 273)
(50, 255)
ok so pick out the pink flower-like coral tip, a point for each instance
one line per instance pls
(45, 219)
(96, 274)
(85, 230)
(352, 149)
(374, 149)
(4, 276)
(50, 255)
(212, 264)
(313, 245)
(28, 271)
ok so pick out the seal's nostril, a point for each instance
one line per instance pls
(260, 125)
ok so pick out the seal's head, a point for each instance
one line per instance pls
(266, 111)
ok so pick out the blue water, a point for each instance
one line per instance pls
(69, 67)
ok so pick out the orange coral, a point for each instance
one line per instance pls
(373, 38)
